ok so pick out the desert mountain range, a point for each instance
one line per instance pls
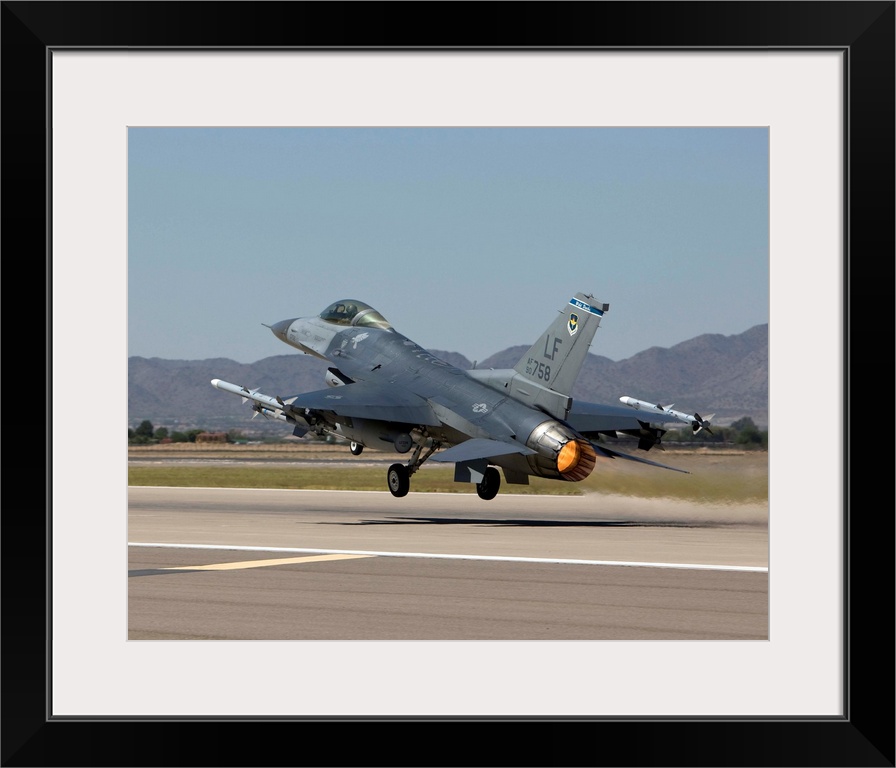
(712, 373)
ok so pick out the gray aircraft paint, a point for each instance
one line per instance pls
(386, 389)
(554, 361)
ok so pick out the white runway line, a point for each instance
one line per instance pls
(361, 553)
(243, 565)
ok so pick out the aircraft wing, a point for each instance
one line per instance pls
(365, 400)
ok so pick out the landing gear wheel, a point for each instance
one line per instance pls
(491, 482)
(356, 449)
(399, 480)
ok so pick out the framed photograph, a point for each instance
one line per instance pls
(818, 76)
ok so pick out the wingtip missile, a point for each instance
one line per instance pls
(234, 388)
(271, 407)
(248, 394)
(639, 405)
(695, 420)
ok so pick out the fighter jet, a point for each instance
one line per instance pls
(386, 391)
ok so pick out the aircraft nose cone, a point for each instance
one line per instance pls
(280, 329)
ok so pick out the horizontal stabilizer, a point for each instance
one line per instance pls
(597, 417)
(611, 454)
(481, 448)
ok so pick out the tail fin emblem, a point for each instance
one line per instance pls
(573, 325)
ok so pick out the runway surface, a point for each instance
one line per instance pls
(245, 564)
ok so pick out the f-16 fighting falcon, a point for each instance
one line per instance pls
(386, 391)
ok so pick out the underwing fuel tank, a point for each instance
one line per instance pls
(560, 452)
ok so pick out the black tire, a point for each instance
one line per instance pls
(399, 480)
(356, 449)
(491, 482)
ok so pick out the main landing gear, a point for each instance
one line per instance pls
(399, 475)
(399, 480)
(491, 482)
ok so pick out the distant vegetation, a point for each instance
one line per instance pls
(146, 434)
(743, 433)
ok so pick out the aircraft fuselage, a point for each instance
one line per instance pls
(464, 407)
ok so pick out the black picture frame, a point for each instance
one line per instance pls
(864, 736)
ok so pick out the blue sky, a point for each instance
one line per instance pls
(466, 239)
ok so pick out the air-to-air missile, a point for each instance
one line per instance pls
(695, 420)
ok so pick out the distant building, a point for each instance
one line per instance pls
(211, 437)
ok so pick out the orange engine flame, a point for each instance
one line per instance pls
(576, 460)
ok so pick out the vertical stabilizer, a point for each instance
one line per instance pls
(554, 361)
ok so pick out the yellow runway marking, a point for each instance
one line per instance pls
(262, 563)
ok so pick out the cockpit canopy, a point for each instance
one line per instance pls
(351, 312)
